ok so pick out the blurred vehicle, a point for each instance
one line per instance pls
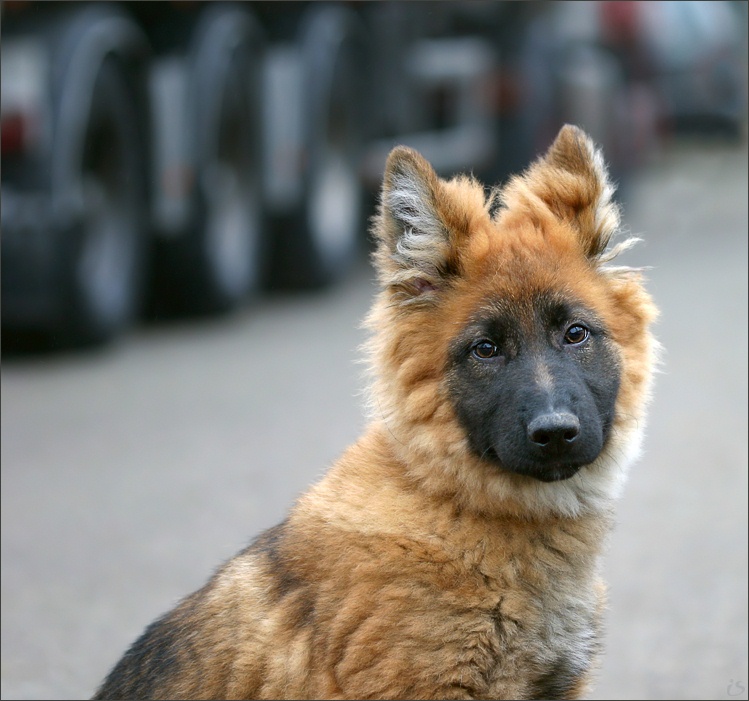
(186, 154)
(697, 54)
(182, 156)
(571, 71)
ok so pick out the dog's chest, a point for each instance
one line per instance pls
(534, 618)
(543, 652)
(492, 609)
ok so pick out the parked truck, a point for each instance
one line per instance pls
(181, 156)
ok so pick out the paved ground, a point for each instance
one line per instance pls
(129, 474)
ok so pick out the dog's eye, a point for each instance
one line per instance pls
(576, 334)
(483, 350)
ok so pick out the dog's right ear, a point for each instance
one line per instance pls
(413, 242)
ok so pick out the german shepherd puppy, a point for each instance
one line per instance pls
(454, 550)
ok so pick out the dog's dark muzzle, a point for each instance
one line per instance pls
(552, 446)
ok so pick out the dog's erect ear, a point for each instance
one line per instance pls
(572, 181)
(413, 242)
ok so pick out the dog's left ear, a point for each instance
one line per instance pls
(572, 181)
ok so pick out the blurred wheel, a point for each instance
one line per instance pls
(317, 244)
(103, 254)
(219, 262)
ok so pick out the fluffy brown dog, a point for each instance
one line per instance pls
(453, 551)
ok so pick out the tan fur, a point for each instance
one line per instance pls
(414, 569)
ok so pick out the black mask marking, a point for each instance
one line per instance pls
(535, 385)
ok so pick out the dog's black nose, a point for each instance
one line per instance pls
(554, 432)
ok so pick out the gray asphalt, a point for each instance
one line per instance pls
(129, 474)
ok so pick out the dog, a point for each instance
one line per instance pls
(453, 551)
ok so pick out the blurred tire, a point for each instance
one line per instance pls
(316, 245)
(103, 253)
(219, 262)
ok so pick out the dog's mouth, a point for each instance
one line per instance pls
(553, 473)
(544, 471)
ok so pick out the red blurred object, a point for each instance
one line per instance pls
(620, 21)
(14, 133)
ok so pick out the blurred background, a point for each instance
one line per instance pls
(185, 195)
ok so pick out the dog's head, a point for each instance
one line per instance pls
(512, 365)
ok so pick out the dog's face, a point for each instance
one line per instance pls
(512, 365)
(535, 387)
